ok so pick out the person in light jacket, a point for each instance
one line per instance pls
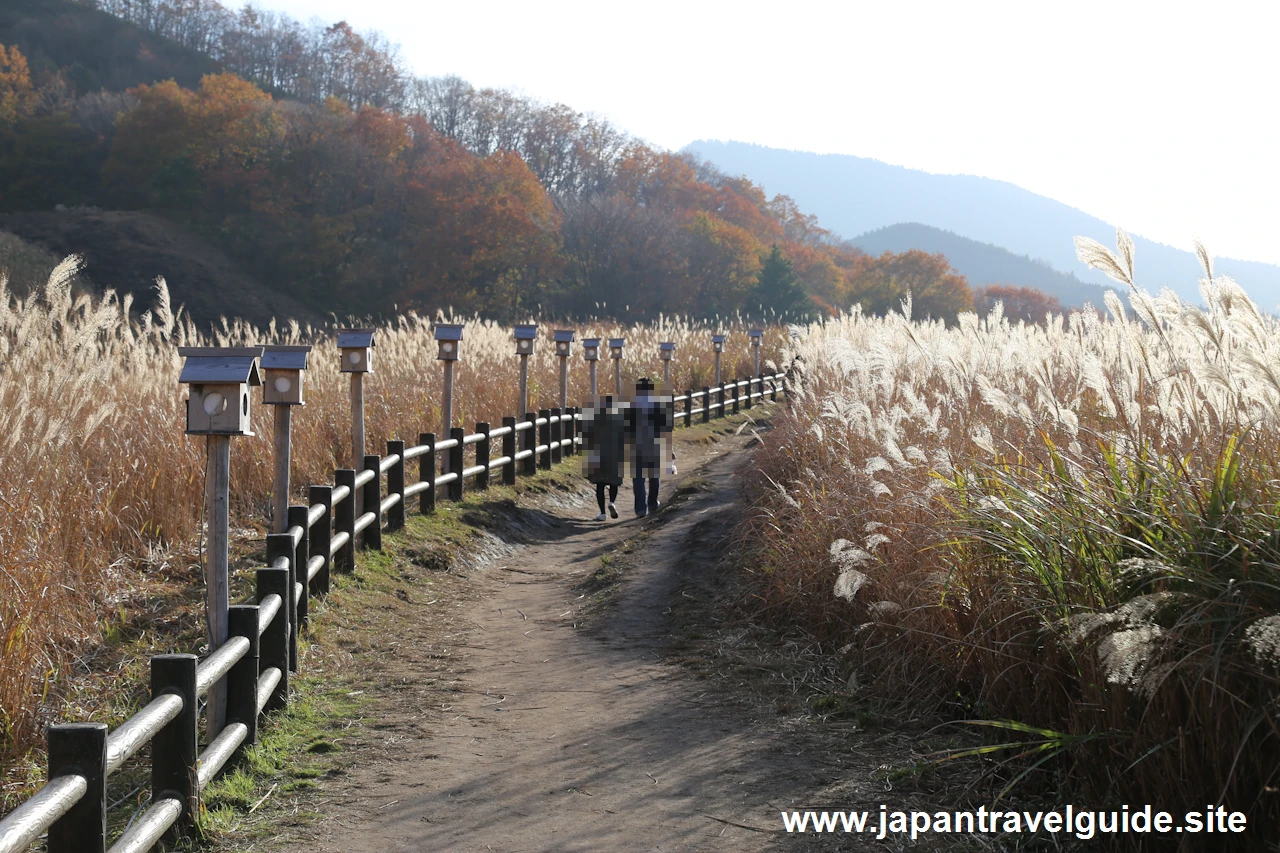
(604, 433)
(650, 420)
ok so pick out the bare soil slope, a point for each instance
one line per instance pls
(126, 250)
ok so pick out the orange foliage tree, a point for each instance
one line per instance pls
(1020, 303)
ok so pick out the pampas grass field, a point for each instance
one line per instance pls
(1068, 530)
(99, 481)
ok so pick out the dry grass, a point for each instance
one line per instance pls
(100, 482)
(1071, 527)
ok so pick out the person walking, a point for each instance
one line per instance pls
(649, 423)
(604, 434)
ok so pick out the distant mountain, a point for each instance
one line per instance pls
(982, 263)
(856, 195)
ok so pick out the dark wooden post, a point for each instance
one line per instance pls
(173, 748)
(344, 520)
(573, 429)
(372, 496)
(737, 393)
(773, 386)
(242, 680)
(455, 462)
(530, 443)
(688, 407)
(80, 749)
(544, 439)
(557, 431)
(281, 545)
(427, 473)
(395, 485)
(706, 404)
(298, 517)
(482, 455)
(322, 536)
(509, 451)
(751, 390)
(274, 650)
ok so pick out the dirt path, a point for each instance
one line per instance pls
(533, 733)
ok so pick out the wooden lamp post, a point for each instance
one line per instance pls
(591, 353)
(357, 346)
(717, 344)
(526, 337)
(218, 379)
(282, 366)
(757, 338)
(449, 338)
(667, 351)
(616, 346)
(564, 349)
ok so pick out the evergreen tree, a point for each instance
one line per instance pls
(778, 288)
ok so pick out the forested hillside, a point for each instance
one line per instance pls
(311, 157)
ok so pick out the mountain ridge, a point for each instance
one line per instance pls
(856, 195)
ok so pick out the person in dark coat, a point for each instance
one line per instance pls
(604, 433)
(650, 420)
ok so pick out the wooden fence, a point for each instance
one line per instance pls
(263, 647)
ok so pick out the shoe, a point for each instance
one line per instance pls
(642, 514)
(653, 507)
(600, 517)
(613, 510)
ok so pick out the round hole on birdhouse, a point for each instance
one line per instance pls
(283, 385)
(214, 403)
(354, 358)
(524, 346)
(446, 347)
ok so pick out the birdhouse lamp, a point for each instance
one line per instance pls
(357, 350)
(282, 367)
(666, 350)
(525, 337)
(219, 380)
(615, 347)
(449, 337)
(591, 349)
(564, 342)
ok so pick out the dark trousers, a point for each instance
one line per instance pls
(643, 506)
(613, 493)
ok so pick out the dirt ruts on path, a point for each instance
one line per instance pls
(530, 731)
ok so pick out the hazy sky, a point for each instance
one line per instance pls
(1157, 116)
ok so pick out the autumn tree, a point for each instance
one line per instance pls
(881, 284)
(1020, 303)
(18, 96)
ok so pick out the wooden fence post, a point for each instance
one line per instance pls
(482, 455)
(706, 404)
(773, 385)
(372, 536)
(80, 749)
(242, 680)
(544, 439)
(751, 390)
(530, 443)
(174, 747)
(688, 407)
(571, 432)
(281, 545)
(395, 485)
(737, 393)
(344, 520)
(322, 536)
(301, 553)
(274, 650)
(509, 451)
(557, 431)
(427, 473)
(456, 462)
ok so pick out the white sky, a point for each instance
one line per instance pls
(1159, 117)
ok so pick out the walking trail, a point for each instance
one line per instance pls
(525, 730)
